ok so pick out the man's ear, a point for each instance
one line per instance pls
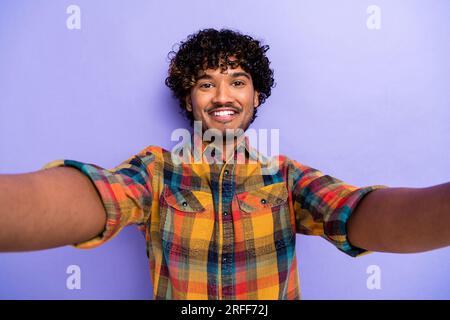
(256, 99)
(188, 101)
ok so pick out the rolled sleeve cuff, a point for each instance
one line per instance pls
(99, 178)
(336, 228)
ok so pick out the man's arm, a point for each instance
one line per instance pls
(48, 208)
(402, 220)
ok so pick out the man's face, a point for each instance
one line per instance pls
(223, 99)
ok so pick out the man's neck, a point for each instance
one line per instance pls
(227, 148)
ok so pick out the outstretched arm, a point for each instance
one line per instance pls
(48, 208)
(402, 220)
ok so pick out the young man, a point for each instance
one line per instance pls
(218, 228)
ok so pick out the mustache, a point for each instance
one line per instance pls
(220, 106)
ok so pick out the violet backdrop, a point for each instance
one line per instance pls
(368, 106)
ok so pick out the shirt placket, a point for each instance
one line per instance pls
(227, 257)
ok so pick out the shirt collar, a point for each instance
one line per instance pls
(196, 150)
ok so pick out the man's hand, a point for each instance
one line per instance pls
(402, 220)
(47, 209)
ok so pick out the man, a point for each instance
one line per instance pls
(223, 227)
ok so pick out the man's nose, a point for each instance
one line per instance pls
(223, 95)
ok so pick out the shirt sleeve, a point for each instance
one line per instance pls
(323, 205)
(125, 192)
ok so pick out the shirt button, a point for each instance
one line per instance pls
(185, 204)
(224, 260)
(226, 172)
(263, 201)
(225, 213)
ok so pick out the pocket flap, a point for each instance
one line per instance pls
(186, 200)
(266, 197)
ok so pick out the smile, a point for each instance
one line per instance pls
(223, 115)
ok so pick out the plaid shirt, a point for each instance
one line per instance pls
(222, 231)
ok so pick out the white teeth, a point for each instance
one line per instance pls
(223, 113)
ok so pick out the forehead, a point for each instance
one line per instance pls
(229, 72)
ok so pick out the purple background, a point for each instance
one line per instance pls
(366, 106)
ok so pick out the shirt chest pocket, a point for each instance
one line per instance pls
(264, 221)
(186, 222)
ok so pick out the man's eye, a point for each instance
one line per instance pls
(206, 85)
(238, 83)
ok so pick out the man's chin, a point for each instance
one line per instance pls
(226, 129)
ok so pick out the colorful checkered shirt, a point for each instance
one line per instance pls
(222, 231)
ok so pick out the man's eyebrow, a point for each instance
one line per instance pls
(240, 74)
(233, 75)
(205, 76)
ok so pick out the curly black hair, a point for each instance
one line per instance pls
(211, 49)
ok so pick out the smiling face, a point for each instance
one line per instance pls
(223, 99)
